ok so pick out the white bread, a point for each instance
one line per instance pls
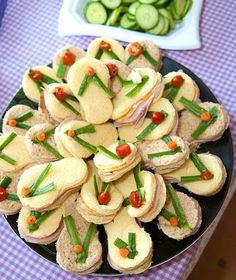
(43, 111)
(15, 112)
(193, 214)
(96, 106)
(129, 133)
(12, 150)
(188, 89)
(204, 188)
(74, 175)
(116, 47)
(166, 163)
(29, 86)
(78, 52)
(141, 61)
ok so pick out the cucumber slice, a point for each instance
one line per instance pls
(179, 7)
(131, 17)
(95, 13)
(166, 26)
(111, 4)
(133, 7)
(128, 1)
(156, 30)
(146, 16)
(147, 1)
(127, 23)
(114, 16)
(163, 12)
(171, 20)
(161, 3)
(187, 7)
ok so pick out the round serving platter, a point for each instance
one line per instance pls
(164, 247)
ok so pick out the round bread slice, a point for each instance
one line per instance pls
(165, 163)
(74, 175)
(124, 106)
(15, 112)
(188, 89)
(48, 231)
(203, 188)
(29, 86)
(116, 48)
(104, 134)
(78, 52)
(188, 123)
(36, 149)
(193, 214)
(96, 106)
(119, 228)
(123, 72)
(141, 61)
(129, 133)
(22, 158)
(89, 199)
(60, 147)
(61, 110)
(66, 258)
(43, 111)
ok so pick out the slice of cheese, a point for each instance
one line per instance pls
(129, 133)
(95, 103)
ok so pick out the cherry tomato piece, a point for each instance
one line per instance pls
(71, 133)
(124, 252)
(135, 199)
(3, 194)
(90, 72)
(60, 93)
(31, 220)
(113, 69)
(206, 116)
(78, 249)
(68, 58)
(206, 175)
(12, 122)
(123, 150)
(177, 81)
(25, 191)
(41, 136)
(36, 75)
(174, 221)
(105, 46)
(135, 49)
(172, 145)
(104, 198)
(157, 117)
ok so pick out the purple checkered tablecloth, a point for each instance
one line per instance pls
(28, 37)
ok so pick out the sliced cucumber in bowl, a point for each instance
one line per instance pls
(146, 16)
(111, 4)
(95, 13)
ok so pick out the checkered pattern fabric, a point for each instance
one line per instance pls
(28, 37)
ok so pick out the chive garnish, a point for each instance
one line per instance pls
(48, 80)
(189, 179)
(120, 243)
(168, 85)
(51, 149)
(183, 222)
(192, 106)
(70, 107)
(39, 86)
(108, 153)
(5, 182)
(99, 54)
(166, 139)
(72, 98)
(99, 82)
(40, 179)
(138, 87)
(167, 214)
(172, 94)
(61, 69)
(131, 245)
(147, 130)
(111, 54)
(37, 214)
(39, 220)
(126, 201)
(49, 132)
(44, 190)
(147, 55)
(85, 144)
(84, 84)
(85, 129)
(124, 82)
(139, 181)
(149, 114)
(105, 186)
(95, 185)
(204, 125)
(7, 158)
(130, 60)
(197, 162)
(121, 141)
(13, 197)
(24, 117)
(8, 140)
(23, 126)
(70, 226)
(165, 153)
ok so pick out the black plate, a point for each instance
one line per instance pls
(164, 247)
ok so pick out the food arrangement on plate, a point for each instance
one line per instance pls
(155, 17)
(110, 136)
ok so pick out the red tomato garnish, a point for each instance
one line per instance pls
(104, 198)
(90, 72)
(68, 58)
(77, 249)
(172, 145)
(123, 150)
(206, 175)
(174, 221)
(31, 220)
(124, 252)
(206, 116)
(177, 81)
(113, 69)
(135, 49)
(157, 117)
(135, 199)
(105, 46)
(3, 194)
(12, 122)
(60, 94)
(36, 75)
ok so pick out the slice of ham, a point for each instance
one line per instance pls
(138, 117)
